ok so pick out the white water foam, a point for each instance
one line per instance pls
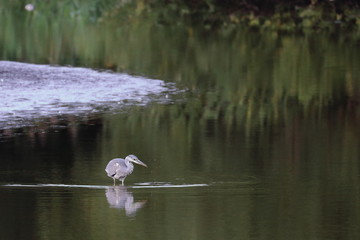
(31, 91)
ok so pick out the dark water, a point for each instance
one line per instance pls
(261, 142)
(296, 180)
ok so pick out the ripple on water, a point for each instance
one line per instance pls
(138, 185)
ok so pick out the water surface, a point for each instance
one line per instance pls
(297, 180)
(263, 145)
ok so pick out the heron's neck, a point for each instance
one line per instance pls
(128, 163)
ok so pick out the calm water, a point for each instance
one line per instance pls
(298, 180)
(257, 136)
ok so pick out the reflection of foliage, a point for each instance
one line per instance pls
(230, 71)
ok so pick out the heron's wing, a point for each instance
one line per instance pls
(114, 165)
(122, 169)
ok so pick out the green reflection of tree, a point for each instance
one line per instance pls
(230, 71)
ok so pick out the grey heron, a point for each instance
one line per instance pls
(119, 168)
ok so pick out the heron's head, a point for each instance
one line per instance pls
(134, 159)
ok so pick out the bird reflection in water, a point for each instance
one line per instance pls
(119, 197)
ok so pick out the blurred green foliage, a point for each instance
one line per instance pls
(233, 72)
(275, 15)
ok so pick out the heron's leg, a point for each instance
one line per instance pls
(122, 181)
(114, 181)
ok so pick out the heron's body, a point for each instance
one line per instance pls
(119, 168)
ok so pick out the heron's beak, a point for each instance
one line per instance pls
(137, 161)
